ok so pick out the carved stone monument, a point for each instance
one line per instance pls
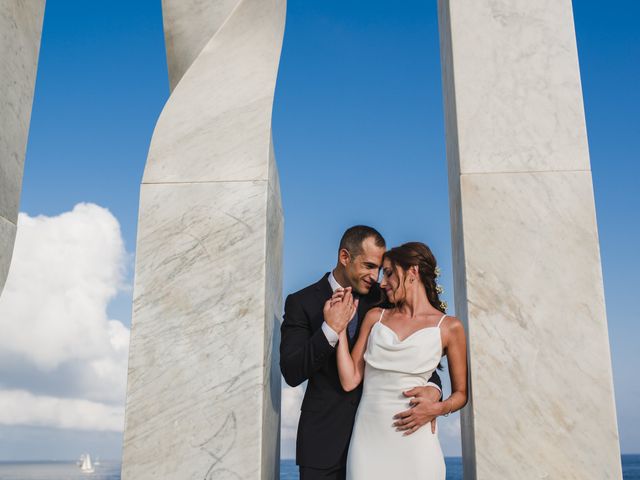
(203, 397)
(20, 32)
(528, 280)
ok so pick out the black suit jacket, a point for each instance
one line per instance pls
(327, 412)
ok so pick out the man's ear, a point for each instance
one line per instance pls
(344, 257)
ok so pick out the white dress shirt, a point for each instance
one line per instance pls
(332, 336)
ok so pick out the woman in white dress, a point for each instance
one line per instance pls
(398, 349)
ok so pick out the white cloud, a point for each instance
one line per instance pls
(53, 318)
(18, 407)
(449, 435)
(290, 413)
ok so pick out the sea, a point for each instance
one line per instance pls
(47, 470)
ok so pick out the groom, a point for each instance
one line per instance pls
(309, 334)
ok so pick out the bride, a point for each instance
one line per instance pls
(398, 349)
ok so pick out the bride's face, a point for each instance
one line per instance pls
(392, 279)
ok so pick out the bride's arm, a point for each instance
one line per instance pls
(457, 360)
(351, 364)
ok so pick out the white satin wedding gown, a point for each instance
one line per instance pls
(392, 366)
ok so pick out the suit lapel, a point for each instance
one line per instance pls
(322, 293)
(323, 289)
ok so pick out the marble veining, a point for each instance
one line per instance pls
(538, 331)
(235, 116)
(188, 27)
(203, 398)
(517, 86)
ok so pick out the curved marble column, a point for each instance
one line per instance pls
(203, 395)
(20, 32)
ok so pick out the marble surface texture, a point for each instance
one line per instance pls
(20, 31)
(517, 76)
(203, 396)
(528, 277)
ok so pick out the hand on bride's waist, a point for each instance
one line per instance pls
(425, 408)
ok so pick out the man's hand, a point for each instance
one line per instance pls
(425, 408)
(340, 309)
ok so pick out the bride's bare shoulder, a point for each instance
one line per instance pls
(453, 327)
(372, 316)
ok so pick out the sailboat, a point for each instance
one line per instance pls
(86, 466)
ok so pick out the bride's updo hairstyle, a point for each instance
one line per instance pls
(418, 254)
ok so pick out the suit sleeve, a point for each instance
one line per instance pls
(435, 378)
(302, 351)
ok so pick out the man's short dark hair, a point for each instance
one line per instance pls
(352, 239)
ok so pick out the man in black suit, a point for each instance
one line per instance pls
(309, 334)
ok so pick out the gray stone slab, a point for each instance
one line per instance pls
(203, 395)
(188, 27)
(216, 126)
(273, 306)
(518, 96)
(528, 280)
(200, 394)
(7, 237)
(20, 31)
(543, 403)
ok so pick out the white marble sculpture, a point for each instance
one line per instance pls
(527, 264)
(203, 397)
(20, 32)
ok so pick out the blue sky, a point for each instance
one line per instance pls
(359, 137)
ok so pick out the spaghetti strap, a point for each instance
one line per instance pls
(440, 322)
(381, 314)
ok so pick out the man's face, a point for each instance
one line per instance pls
(363, 270)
